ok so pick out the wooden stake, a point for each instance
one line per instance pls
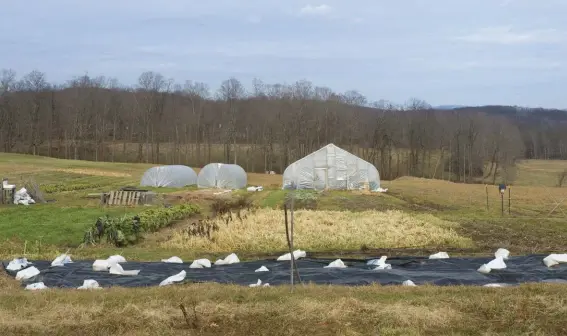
(509, 199)
(291, 239)
(289, 247)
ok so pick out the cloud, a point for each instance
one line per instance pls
(506, 35)
(321, 10)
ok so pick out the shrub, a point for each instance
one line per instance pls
(128, 229)
(303, 199)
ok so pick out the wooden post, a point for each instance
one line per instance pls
(502, 200)
(289, 246)
(509, 199)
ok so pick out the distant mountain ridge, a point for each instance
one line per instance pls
(449, 107)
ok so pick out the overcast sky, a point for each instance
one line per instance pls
(469, 52)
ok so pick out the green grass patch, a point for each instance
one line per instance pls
(50, 223)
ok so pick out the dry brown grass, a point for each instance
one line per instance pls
(525, 200)
(264, 230)
(310, 310)
(93, 172)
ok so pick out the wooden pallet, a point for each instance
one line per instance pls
(7, 195)
(123, 198)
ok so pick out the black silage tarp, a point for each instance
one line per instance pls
(453, 271)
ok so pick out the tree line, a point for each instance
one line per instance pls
(266, 128)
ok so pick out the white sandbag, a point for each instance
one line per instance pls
(555, 259)
(296, 255)
(502, 253)
(17, 264)
(173, 260)
(201, 263)
(439, 255)
(262, 269)
(36, 286)
(90, 284)
(259, 284)
(174, 278)
(496, 263)
(27, 273)
(336, 264)
(495, 285)
(408, 283)
(379, 263)
(116, 259)
(100, 265)
(61, 260)
(118, 270)
(376, 262)
(230, 259)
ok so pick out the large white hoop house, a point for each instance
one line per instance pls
(222, 176)
(331, 168)
(174, 176)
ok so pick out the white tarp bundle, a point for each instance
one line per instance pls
(22, 197)
(175, 176)
(222, 176)
(331, 168)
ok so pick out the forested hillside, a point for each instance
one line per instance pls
(161, 121)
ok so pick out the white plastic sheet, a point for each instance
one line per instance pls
(27, 273)
(496, 263)
(439, 255)
(201, 263)
(36, 286)
(502, 253)
(262, 269)
(331, 168)
(17, 264)
(90, 284)
(296, 255)
(22, 197)
(61, 260)
(104, 265)
(174, 176)
(174, 278)
(555, 259)
(336, 264)
(118, 270)
(222, 176)
(379, 263)
(230, 259)
(259, 284)
(173, 260)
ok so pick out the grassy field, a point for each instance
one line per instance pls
(416, 216)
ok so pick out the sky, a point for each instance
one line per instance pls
(462, 52)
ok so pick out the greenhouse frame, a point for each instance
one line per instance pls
(222, 176)
(331, 167)
(174, 176)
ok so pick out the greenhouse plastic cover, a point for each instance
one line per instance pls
(331, 168)
(420, 270)
(223, 176)
(176, 176)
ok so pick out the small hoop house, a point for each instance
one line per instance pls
(222, 176)
(175, 176)
(331, 168)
